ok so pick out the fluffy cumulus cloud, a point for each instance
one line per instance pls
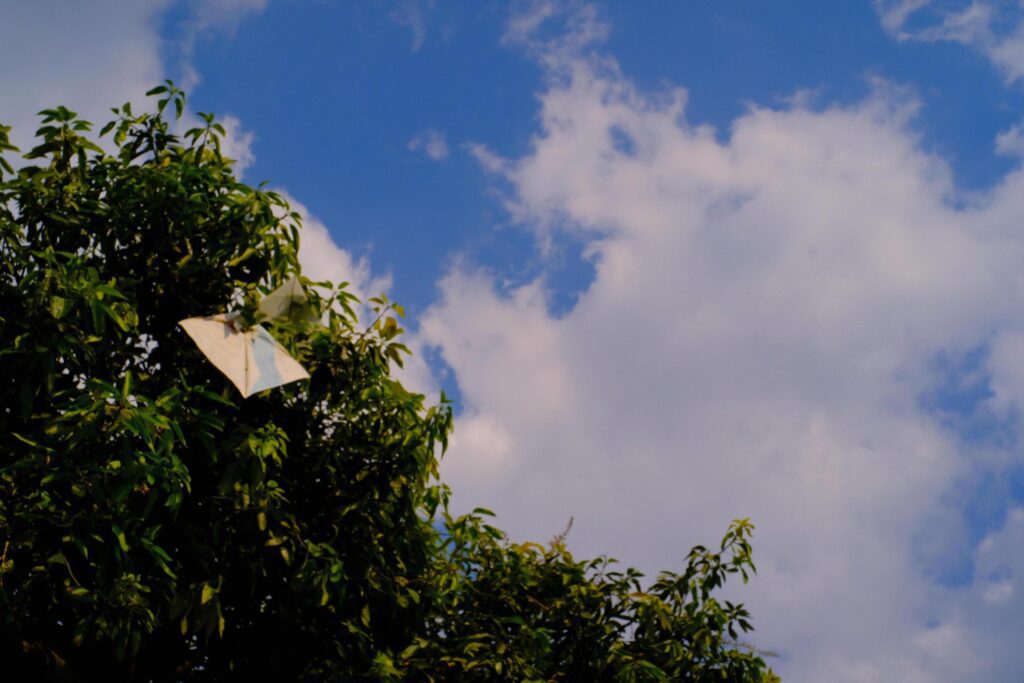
(87, 56)
(759, 340)
(323, 259)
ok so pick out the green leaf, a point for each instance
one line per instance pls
(122, 542)
(25, 440)
(244, 256)
(59, 306)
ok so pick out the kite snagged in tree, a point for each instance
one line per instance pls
(288, 302)
(252, 359)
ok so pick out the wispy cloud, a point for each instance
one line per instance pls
(894, 13)
(223, 14)
(994, 29)
(430, 142)
(206, 18)
(553, 32)
(413, 15)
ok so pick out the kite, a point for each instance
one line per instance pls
(288, 302)
(252, 359)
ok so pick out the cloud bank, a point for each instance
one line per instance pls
(96, 56)
(760, 339)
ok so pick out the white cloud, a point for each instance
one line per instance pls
(523, 24)
(1011, 142)
(431, 142)
(412, 14)
(104, 53)
(96, 56)
(204, 19)
(977, 640)
(223, 14)
(322, 259)
(100, 55)
(996, 29)
(894, 13)
(236, 143)
(578, 27)
(755, 342)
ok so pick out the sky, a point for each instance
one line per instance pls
(677, 263)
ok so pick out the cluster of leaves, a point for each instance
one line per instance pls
(155, 526)
(527, 612)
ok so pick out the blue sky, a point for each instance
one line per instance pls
(336, 93)
(679, 262)
(333, 93)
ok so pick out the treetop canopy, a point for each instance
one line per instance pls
(155, 525)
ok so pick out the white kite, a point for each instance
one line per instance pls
(288, 302)
(252, 359)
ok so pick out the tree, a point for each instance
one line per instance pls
(156, 526)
